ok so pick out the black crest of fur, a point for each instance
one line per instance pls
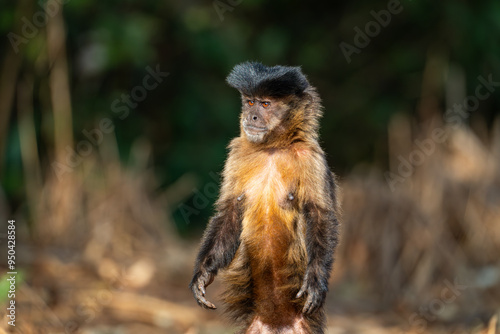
(255, 79)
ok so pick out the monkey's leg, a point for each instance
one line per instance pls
(218, 247)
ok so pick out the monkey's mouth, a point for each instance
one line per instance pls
(254, 130)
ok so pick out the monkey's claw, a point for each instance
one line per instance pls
(202, 301)
(198, 285)
(313, 302)
(315, 296)
(301, 292)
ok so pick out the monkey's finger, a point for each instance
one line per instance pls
(201, 287)
(210, 280)
(202, 301)
(313, 303)
(205, 303)
(303, 289)
(307, 306)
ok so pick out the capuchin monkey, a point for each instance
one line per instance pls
(276, 223)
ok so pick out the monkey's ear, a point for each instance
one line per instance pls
(255, 79)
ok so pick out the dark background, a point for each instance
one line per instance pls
(154, 177)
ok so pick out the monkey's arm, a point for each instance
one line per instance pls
(321, 240)
(218, 247)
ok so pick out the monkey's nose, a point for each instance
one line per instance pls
(253, 118)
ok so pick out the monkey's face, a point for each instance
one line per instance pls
(261, 116)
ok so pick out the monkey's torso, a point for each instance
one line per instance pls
(267, 270)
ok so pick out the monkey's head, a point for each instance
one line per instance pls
(277, 102)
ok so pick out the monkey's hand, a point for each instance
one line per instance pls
(200, 281)
(315, 290)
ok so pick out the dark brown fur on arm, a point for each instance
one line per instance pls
(321, 241)
(219, 244)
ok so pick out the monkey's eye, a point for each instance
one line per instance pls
(251, 102)
(266, 104)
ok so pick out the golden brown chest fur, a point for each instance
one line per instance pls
(268, 268)
(272, 227)
(268, 188)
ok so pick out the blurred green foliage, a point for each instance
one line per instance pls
(193, 114)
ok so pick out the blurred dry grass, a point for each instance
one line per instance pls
(439, 228)
(441, 223)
